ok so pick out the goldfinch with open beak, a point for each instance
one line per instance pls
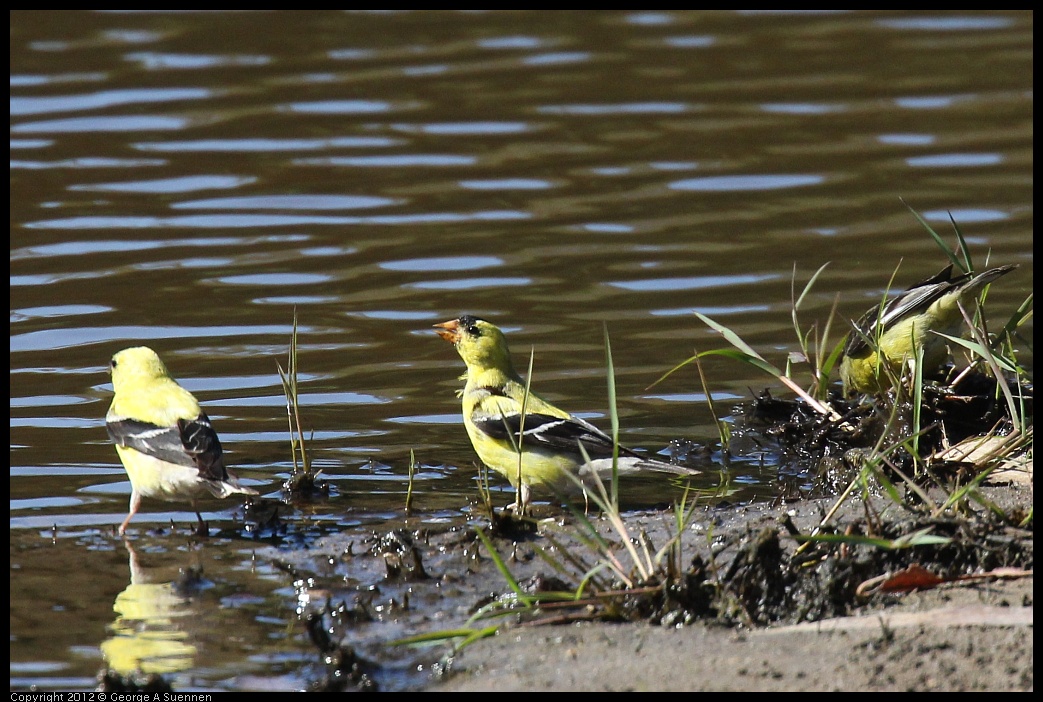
(885, 338)
(549, 437)
(164, 439)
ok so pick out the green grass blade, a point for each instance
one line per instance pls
(979, 350)
(964, 264)
(919, 538)
(756, 360)
(610, 372)
(439, 637)
(733, 338)
(502, 567)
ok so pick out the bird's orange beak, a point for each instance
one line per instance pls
(450, 331)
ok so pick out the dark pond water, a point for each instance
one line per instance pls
(187, 181)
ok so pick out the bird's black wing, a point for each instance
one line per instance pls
(192, 443)
(201, 442)
(913, 300)
(549, 432)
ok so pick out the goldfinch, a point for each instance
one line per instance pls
(911, 320)
(165, 441)
(549, 437)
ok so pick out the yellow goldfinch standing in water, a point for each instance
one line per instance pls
(911, 320)
(549, 437)
(166, 443)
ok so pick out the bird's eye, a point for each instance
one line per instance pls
(112, 363)
(473, 330)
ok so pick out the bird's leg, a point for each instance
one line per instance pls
(520, 506)
(202, 529)
(526, 494)
(135, 503)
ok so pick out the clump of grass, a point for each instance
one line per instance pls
(815, 351)
(303, 481)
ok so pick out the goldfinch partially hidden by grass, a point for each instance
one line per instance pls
(549, 437)
(885, 338)
(167, 445)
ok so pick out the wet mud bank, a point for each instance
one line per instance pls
(898, 601)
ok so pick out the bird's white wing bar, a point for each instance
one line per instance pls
(159, 442)
(546, 431)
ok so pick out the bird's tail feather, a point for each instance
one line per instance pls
(986, 277)
(629, 465)
(226, 488)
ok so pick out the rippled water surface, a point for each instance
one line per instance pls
(187, 181)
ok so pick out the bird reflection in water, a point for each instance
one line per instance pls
(146, 635)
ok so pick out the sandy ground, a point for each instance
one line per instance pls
(973, 636)
(963, 639)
